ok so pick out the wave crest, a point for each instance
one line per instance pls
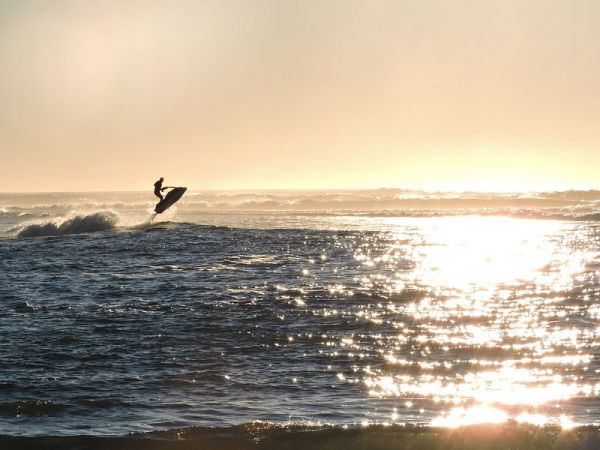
(84, 223)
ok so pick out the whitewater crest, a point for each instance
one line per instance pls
(75, 224)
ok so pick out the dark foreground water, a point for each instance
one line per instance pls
(260, 436)
(113, 323)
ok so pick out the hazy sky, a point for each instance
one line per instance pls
(110, 95)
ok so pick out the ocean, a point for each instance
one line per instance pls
(311, 317)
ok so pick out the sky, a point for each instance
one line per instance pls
(308, 94)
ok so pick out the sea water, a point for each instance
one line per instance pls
(297, 309)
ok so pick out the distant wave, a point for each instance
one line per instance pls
(330, 201)
(591, 217)
(366, 203)
(516, 213)
(43, 214)
(85, 223)
(273, 436)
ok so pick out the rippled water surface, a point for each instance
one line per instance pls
(303, 318)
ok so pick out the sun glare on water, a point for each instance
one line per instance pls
(486, 339)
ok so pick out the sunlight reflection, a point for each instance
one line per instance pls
(534, 419)
(481, 252)
(479, 308)
(469, 416)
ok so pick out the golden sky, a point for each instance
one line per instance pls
(249, 94)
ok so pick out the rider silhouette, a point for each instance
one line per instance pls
(158, 187)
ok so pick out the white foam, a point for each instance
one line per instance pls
(79, 223)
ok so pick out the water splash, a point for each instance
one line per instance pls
(80, 223)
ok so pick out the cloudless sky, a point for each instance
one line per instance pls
(247, 94)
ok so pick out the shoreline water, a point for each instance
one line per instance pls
(268, 436)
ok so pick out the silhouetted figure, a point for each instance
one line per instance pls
(158, 187)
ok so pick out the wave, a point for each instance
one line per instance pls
(578, 195)
(568, 215)
(44, 214)
(589, 217)
(374, 199)
(85, 223)
(260, 435)
(166, 225)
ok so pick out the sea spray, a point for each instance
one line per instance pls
(80, 223)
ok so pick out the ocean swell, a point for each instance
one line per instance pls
(83, 223)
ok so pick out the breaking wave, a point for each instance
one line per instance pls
(84, 223)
